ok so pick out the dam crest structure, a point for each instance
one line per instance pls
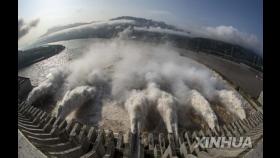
(55, 137)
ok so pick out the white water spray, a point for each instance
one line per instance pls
(137, 107)
(75, 98)
(202, 107)
(142, 76)
(48, 87)
(231, 102)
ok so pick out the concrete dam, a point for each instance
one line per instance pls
(55, 137)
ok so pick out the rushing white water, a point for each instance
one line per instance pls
(231, 102)
(137, 107)
(168, 111)
(140, 77)
(48, 87)
(166, 104)
(75, 98)
(201, 105)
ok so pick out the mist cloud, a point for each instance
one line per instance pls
(24, 28)
(233, 35)
(223, 33)
(162, 30)
(140, 77)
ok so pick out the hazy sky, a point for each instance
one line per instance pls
(244, 15)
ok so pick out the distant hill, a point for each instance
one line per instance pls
(149, 23)
(103, 29)
(152, 31)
